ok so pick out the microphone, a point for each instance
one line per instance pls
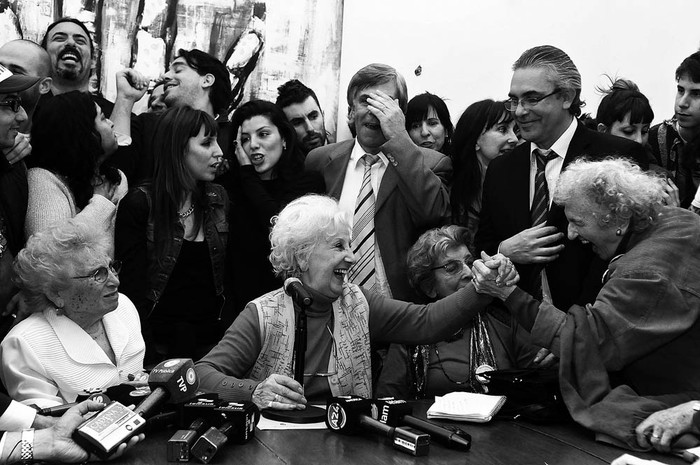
(294, 288)
(59, 410)
(196, 415)
(173, 380)
(238, 427)
(347, 414)
(392, 412)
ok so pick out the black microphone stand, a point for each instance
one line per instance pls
(310, 414)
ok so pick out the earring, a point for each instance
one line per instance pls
(618, 232)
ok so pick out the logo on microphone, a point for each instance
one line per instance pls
(191, 376)
(336, 416)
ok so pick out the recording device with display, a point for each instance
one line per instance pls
(349, 414)
(394, 412)
(174, 381)
(239, 420)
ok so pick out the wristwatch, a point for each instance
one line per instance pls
(27, 449)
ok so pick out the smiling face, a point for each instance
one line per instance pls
(428, 133)
(550, 117)
(69, 49)
(583, 225)
(183, 85)
(453, 277)
(328, 265)
(495, 141)
(307, 119)
(203, 156)
(85, 300)
(10, 122)
(369, 132)
(263, 143)
(638, 132)
(105, 128)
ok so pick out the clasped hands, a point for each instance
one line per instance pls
(495, 276)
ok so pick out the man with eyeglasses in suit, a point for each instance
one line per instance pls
(545, 99)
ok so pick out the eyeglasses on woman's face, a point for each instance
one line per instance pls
(101, 274)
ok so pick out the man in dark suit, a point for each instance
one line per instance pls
(544, 100)
(409, 182)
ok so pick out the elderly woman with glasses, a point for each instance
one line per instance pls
(439, 264)
(82, 333)
(639, 338)
(311, 241)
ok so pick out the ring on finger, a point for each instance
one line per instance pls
(656, 436)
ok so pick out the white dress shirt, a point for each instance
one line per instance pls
(553, 168)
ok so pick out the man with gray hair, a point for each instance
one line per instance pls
(517, 217)
(393, 189)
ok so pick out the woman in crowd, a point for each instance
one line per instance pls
(428, 123)
(171, 236)
(71, 139)
(626, 112)
(485, 130)
(82, 333)
(271, 175)
(311, 241)
(439, 264)
(640, 335)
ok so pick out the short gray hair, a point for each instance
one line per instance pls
(618, 186)
(375, 74)
(43, 265)
(299, 227)
(561, 70)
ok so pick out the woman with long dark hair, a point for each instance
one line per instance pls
(428, 123)
(71, 139)
(271, 175)
(171, 237)
(485, 130)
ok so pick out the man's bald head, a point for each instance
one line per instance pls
(25, 57)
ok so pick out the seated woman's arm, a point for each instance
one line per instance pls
(395, 379)
(223, 369)
(406, 323)
(24, 376)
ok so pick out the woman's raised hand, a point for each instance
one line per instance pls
(279, 392)
(495, 276)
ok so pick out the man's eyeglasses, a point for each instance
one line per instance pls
(455, 266)
(101, 274)
(527, 102)
(13, 101)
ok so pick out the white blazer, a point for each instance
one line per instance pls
(48, 359)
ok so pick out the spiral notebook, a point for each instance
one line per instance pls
(466, 406)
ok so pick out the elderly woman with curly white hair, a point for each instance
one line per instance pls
(640, 339)
(311, 240)
(81, 332)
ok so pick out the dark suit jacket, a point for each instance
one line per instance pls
(574, 277)
(412, 198)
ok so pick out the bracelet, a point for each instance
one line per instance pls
(27, 448)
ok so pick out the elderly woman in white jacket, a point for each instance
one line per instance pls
(81, 332)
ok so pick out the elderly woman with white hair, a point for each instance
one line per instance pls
(82, 333)
(311, 241)
(640, 338)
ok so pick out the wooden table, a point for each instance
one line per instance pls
(495, 443)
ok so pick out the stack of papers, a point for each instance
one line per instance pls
(466, 406)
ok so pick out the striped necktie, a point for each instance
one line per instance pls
(540, 199)
(363, 273)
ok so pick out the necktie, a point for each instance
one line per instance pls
(540, 200)
(363, 272)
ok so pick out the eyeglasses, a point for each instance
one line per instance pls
(527, 102)
(455, 266)
(13, 101)
(101, 274)
(334, 359)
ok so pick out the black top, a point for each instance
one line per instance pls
(183, 319)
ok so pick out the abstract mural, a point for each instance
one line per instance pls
(262, 43)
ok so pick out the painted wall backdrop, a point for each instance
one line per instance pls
(262, 43)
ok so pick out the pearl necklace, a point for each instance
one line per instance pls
(187, 213)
